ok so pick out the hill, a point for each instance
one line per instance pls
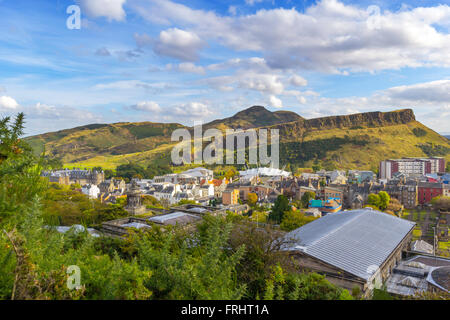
(254, 117)
(357, 141)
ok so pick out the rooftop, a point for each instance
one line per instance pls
(173, 218)
(351, 240)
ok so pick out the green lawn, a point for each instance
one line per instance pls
(417, 232)
(444, 245)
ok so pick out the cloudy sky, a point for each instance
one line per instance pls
(180, 60)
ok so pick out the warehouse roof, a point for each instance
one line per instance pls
(356, 241)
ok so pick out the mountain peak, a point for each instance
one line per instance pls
(254, 117)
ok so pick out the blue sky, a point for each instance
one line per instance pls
(182, 61)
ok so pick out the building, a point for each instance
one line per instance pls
(419, 274)
(329, 192)
(357, 248)
(422, 247)
(112, 186)
(230, 196)
(356, 176)
(428, 191)
(262, 191)
(263, 172)
(72, 176)
(411, 166)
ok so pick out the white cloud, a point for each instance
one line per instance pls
(430, 102)
(148, 106)
(193, 110)
(8, 103)
(179, 44)
(232, 10)
(130, 85)
(180, 112)
(430, 92)
(187, 67)
(252, 2)
(329, 36)
(275, 102)
(110, 9)
(298, 81)
(262, 83)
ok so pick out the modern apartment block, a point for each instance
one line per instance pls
(411, 166)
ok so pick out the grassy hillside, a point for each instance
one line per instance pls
(364, 147)
(356, 141)
(254, 117)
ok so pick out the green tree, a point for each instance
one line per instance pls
(307, 196)
(280, 206)
(374, 200)
(130, 170)
(384, 200)
(204, 271)
(304, 286)
(294, 219)
(252, 198)
(231, 173)
(441, 203)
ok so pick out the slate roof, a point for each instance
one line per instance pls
(353, 241)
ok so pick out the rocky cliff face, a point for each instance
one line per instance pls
(368, 119)
(371, 119)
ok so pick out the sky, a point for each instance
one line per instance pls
(184, 61)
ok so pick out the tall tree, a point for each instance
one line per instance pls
(279, 208)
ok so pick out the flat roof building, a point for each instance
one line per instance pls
(357, 248)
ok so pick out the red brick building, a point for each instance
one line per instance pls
(428, 191)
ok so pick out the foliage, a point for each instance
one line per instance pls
(380, 200)
(232, 172)
(374, 200)
(304, 286)
(394, 205)
(381, 294)
(434, 150)
(196, 269)
(261, 255)
(306, 197)
(151, 201)
(419, 132)
(252, 198)
(65, 206)
(441, 203)
(384, 200)
(280, 206)
(294, 219)
(295, 152)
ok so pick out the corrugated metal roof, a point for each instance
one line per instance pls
(354, 241)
